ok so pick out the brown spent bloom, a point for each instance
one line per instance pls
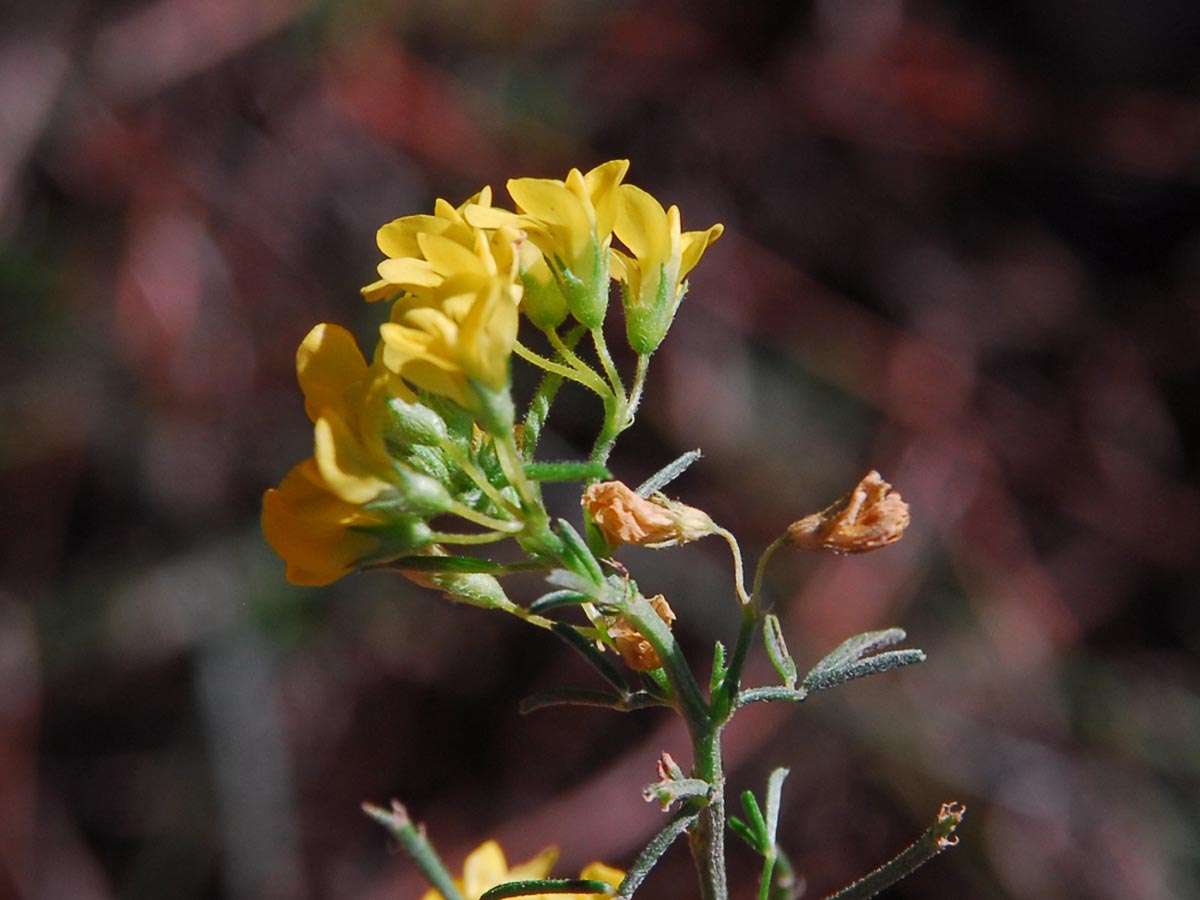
(625, 517)
(637, 652)
(869, 517)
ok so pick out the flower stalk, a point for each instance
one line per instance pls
(428, 430)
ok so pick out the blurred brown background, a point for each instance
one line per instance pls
(963, 247)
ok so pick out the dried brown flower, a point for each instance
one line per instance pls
(637, 652)
(869, 517)
(625, 517)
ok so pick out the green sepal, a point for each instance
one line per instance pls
(566, 471)
(415, 493)
(399, 535)
(646, 324)
(777, 650)
(542, 301)
(460, 424)
(493, 408)
(587, 293)
(416, 423)
(548, 886)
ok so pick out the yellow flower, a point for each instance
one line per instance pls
(486, 867)
(347, 403)
(460, 347)
(653, 279)
(321, 536)
(406, 269)
(571, 222)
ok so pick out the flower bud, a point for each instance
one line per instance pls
(637, 652)
(416, 423)
(625, 517)
(869, 517)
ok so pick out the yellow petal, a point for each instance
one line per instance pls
(550, 201)
(602, 184)
(598, 871)
(490, 217)
(398, 238)
(487, 336)
(328, 362)
(484, 868)
(642, 226)
(409, 272)
(348, 467)
(446, 256)
(536, 868)
(694, 243)
(307, 525)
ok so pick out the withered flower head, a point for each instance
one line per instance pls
(625, 517)
(869, 517)
(637, 652)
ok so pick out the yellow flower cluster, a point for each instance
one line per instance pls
(457, 281)
(486, 867)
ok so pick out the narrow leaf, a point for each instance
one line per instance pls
(548, 886)
(654, 850)
(872, 665)
(777, 650)
(580, 551)
(673, 791)
(754, 817)
(857, 647)
(566, 471)
(774, 791)
(457, 564)
(746, 833)
(587, 649)
(556, 599)
(719, 669)
(770, 695)
(937, 837)
(571, 697)
(668, 473)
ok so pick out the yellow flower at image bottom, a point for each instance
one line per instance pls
(486, 867)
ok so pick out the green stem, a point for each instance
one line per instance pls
(938, 837)
(473, 515)
(477, 475)
(572, 359)
(514, 470)
(486, 537)
(592, 383)
(707, 835)
(606, 360)
(654, 850)
(760, 570)
(412, 839)
(739, 575)
(639, 384)
(539, 406)
(724, 702)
